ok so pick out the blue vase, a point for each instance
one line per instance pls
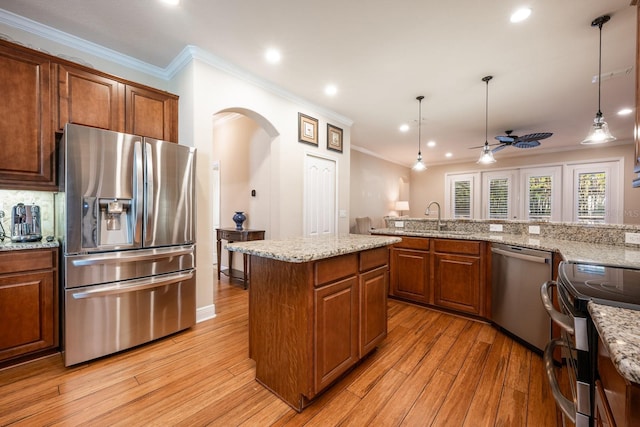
(239, 218)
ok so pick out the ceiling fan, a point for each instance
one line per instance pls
(527, 141)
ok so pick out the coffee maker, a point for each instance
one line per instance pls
(25, 223)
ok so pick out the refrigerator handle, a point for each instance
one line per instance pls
(148, 193)
(133, 286)
(138, 184)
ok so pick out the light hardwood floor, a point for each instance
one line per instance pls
(432, 369)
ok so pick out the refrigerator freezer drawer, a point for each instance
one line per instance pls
(85, 270)
(104, 319)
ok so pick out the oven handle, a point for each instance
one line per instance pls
(134, 285)
(565, 405)
(564, 321)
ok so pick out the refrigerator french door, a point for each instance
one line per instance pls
(125, 216)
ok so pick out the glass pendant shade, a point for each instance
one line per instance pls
(419, 164)
(486, 157)
(599, 132)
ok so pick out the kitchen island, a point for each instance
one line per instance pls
(317, 306)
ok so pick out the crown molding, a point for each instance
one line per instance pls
(374, 154)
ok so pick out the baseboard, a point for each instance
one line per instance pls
(205, 313)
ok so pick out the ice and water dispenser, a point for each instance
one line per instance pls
(107, 222)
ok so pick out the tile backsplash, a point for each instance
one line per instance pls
(44, 199)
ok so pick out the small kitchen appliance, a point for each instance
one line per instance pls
(25, 223)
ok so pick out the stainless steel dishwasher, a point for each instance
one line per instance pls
(516, 276)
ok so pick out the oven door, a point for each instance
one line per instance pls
(574, 343)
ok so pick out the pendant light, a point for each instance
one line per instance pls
(486, 157)
(419, 165)
(599, 132)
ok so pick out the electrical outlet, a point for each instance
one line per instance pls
(534, 229)
(399, 224)
(495, 227)
(632, 238)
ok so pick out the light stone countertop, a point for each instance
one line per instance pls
(8, 245)
(619, 330)
(571, 251)
(304, 249)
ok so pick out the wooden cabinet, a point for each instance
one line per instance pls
(460, 275)
(26, 137)
(602, 413)
(28, 304)
(618, 397)
(88, 98)
(40, 93)
(410, 270)
(151, 113)
(311, 322)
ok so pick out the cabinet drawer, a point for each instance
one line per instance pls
(331, 269)
(374, 258)
(413, 243)
(457, 246)
(27, 260)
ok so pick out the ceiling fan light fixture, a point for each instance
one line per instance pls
(599, 132)
(419, 165)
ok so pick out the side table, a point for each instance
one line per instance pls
(232, 235)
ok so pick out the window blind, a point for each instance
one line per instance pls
(499, 198)
(462, 199)
(592, 188)
(540, 197)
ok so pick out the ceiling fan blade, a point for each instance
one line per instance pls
(499, 147)
(526, 144)
(482, 146)
(534, 136)
(506, 139)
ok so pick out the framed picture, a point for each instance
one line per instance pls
(334, 138)
(307, 129)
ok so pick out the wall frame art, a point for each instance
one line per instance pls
(334, 138)
(307, 129)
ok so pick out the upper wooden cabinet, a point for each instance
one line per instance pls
(151, 113)
(26, 139)
(41, 93)
(90, 99)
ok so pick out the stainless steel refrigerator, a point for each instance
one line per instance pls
(125, 217)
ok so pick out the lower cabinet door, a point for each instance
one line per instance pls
(336, 330)
(373, 309)
(410, 274)
(457, 282)
(27, 314)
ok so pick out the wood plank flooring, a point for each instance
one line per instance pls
(434, 369)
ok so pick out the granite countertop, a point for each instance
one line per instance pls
(619, 330)
(571, 251)
(8, 245)
(304, 249)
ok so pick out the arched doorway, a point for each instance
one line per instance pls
(241, 171)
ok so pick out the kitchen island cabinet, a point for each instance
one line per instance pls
(28, 304)
(314, 315)
(411, 270)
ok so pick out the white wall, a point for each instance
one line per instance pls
(376, 185)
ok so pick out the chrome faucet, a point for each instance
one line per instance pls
(439, 213)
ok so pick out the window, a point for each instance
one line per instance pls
(498, 198)
(461, 196)
(542, 191)
(594, 194)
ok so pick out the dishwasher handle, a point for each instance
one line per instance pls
(524, 257)
(564, 321)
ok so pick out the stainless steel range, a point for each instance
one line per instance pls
(578, 284)
(125, 215)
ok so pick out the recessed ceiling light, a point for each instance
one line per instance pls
(431, 144)
(404, 128)
(273, 56)
(625, 111)
(330, 90)
(448, 154)
(171, 2)
(520, 14)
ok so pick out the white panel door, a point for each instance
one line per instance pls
(320, 211)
